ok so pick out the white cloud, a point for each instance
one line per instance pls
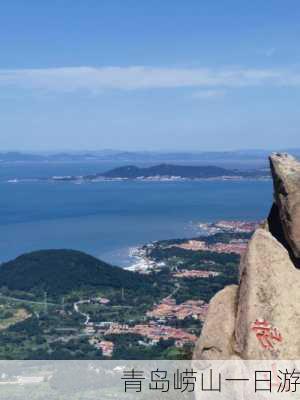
(140, 77)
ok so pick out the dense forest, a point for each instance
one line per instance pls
(59, 272)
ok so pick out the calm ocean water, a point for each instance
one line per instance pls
(107, 218)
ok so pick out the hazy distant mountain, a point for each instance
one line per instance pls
(144, 156)
(18, 157)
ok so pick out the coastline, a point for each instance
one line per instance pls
(144, 264)
(82, 180)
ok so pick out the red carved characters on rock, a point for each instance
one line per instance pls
(267, 334)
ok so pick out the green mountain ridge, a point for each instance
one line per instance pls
(59, 272)
(185, 171)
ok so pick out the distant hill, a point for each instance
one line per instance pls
(168, 170)
(122, 157)
(61, 271)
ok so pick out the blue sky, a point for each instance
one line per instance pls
(149, 75)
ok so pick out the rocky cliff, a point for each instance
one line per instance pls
(259, 319)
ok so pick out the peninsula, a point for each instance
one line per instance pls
(168, 172)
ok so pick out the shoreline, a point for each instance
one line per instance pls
(141, 263)
(82, 180)
(144, 264)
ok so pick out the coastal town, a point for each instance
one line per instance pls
(145, 264)
(228, 226)
(153, 330)
(237, 246)
(159, 322)
(161, 316)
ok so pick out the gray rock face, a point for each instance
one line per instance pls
(260, 319)
(286, 177)
(269, 291)
(217, 338)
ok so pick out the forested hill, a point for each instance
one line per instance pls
(61, 271)
(183, 171)
(168, 171)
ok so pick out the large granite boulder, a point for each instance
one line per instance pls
(217, 338)
(286, 178)
(268, 312)
(260, 320)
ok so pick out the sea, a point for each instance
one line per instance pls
(111, 218)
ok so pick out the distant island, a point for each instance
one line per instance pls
(168, 172)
